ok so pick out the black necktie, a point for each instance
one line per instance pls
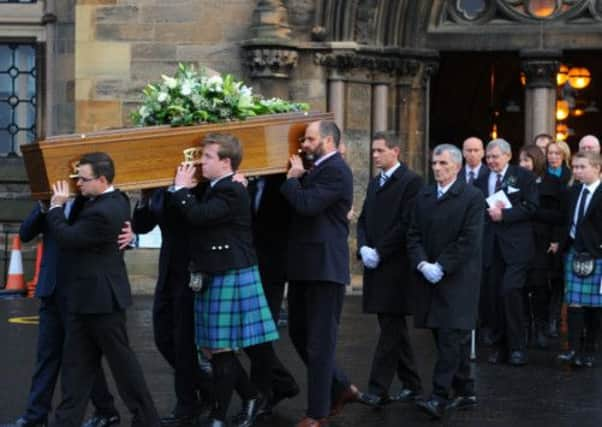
(470, 177)
(581, 211)
(498, 183)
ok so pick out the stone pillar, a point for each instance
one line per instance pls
(336, 98)
(413, 100)
(540, 68)
(380, 100)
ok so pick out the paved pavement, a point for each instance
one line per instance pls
(539, 395)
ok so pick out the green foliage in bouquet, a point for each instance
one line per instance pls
(192, 97)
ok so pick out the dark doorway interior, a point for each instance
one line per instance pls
(471, 92)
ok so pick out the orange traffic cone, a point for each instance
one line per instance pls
(16, 280)
(33, 283)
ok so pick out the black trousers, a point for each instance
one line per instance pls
(502, 302)
(283, 382)
(314, 314)
(393, 354)
(452, 369)
(89, 337)
(49, 353)
(173, 325)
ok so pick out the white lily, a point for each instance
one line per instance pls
(170, 82)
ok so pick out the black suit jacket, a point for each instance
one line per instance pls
(174, 256)
(514, 234)
(449, 231)
(589, 233)
(271, 222)
(483, 172)
(320, 200)
(219, 223)
(383, 225)
(91, 265)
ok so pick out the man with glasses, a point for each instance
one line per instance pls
(97, 293)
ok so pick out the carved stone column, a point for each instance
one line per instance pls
(270, 56)
(540, 68)
(413, 102)
(336, 98)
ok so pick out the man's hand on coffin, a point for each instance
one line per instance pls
(60, 194)
(185, 176)
(297, 170)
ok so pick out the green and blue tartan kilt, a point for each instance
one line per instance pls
(232, 311)
(582, 290)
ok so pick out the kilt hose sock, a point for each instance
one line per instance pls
(575, 320)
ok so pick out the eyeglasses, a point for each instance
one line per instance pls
(84, 179)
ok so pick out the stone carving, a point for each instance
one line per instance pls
(522, 11)
(270, 61)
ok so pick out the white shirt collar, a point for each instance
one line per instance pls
(108, 190)
(476, 170)
(443, 190)
(503, 172)
(389, 172)
(324, 157)
(216, 180)
(592, 187)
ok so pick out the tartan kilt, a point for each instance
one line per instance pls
(232, 312)
(583, 291)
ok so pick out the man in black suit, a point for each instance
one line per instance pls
(173, 314)
(507, 251)
(271, 215)
(51, 330)
(97, 294)
(473, 152)
(444, 244)
(318, 267)
(381, 241)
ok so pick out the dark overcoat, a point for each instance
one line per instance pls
(449, 231)
(383, 225)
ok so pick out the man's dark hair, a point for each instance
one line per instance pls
(101, 164)
(391, 141)
(539, 161)
(329, 128)
(549, 137)
(229, 147)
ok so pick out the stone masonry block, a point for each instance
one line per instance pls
(124, 32)
(115, 14)
(98, 115)
(153, 51)
(103, 59)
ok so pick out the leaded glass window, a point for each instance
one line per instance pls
(18, 96)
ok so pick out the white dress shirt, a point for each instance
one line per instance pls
(493, 178)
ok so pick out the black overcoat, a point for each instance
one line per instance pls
(383, 225)
(449, 231)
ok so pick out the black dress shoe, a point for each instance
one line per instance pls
(589, 360)
(518, 358)
(406, 395)
(212, 422)
(570, 357)
(279, 396)
(463, 402)
(432, 407)
(173, 420)
(250, 410)
(374, 400)
(496, 357)
(24, 422)
(102, 420)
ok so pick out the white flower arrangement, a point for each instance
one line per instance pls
(191, 97)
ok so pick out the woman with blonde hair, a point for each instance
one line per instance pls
(558, 156)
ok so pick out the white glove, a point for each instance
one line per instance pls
(431, 271)
(370, 257)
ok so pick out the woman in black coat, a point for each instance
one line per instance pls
(559, 159)
(547, 223)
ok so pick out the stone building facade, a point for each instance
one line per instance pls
(371, 62)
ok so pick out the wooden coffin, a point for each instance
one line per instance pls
(148, 157)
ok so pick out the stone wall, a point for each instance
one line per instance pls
(121, 45)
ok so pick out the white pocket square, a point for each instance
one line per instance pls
(512, 189)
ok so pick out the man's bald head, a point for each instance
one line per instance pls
(473, 151)
(589, 143)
